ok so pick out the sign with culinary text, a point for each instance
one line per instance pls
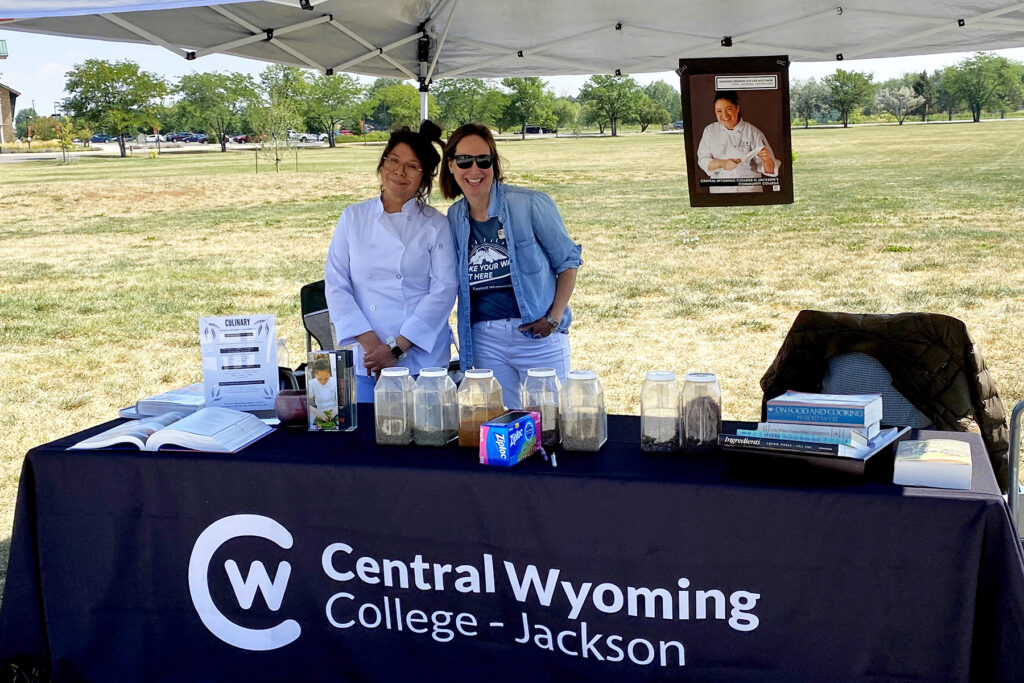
(239, 355)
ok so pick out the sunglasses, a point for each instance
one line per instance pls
(483, 161)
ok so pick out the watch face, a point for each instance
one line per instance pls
(396, 350)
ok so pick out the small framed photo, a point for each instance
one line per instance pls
(331, 391)
(737, 130)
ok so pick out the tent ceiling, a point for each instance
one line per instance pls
(484, 38)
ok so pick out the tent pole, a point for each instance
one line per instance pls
(423, 102)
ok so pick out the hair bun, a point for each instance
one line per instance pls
(430, 130)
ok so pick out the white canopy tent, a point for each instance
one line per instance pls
(426, 40)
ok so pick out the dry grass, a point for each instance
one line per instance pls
(105, 265)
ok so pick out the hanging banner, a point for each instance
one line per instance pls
(736, 120)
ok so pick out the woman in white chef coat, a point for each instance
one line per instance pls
(732, 148)
(390, 276)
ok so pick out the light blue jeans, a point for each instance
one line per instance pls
(498, 345)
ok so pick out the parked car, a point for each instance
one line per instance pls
(677, 124)
(101, 137)
(155, 138)
(198, 137)
(537, 130)
(344, 132)
(241, 138)
(180, 136)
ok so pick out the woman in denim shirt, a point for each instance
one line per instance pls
(517, 266)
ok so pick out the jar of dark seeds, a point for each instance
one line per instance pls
(702, 412)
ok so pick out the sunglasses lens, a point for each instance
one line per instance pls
(483, 161)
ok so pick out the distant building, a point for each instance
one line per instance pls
(8, 97)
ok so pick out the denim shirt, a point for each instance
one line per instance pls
(539, 248)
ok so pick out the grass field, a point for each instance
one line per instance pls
(106, 264)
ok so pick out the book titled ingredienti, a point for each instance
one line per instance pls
(768, 444)
(938, 463)
(838, 410)
(214, 430)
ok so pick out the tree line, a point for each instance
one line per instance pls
(120, 99)
(981, 82)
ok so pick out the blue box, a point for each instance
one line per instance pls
(506, 440)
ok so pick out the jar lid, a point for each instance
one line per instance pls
(541, 372)
(701, 377)
(661, 375)
(479, 373)
(582, 374)
(394, 372)
(433, 372)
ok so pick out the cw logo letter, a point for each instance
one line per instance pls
(212, 538)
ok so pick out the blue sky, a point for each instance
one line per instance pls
(37, 65)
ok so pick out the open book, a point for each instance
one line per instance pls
(215, 430)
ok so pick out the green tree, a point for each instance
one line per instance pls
(375, 111)
(945, 99)
(493, 108)
(924, 87)
(115, 97)
(66, 138)
(398, 105)
(21, 121)
(592, 115)
(651, 111)
(980, 80)
(43, 128)
(848, 90)
(463, 100)
(618, 97)
(529, 102)
(662, 92)
(898, 102)
(334, 99)
(566, 113)
(214, 101)
(809, 100)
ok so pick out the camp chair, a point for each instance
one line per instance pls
(315, 316)
(1014, 469)
(925, 365)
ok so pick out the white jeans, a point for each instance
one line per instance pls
(498, 345)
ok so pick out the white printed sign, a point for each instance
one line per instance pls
(239, 356)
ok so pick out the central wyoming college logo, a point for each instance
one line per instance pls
(212, 538)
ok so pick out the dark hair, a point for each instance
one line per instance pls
(321, 363)
(730, 95)
(422, 145)
(449, 188)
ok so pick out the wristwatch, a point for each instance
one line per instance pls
(554, 323)
(396, 350)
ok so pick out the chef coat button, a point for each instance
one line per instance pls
(398, 276)
(373, 308)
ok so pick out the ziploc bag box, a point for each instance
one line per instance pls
(506, 440)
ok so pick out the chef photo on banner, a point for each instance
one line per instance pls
(736, 128)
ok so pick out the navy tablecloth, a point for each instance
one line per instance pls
(312, 556)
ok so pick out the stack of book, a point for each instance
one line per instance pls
(843, 426)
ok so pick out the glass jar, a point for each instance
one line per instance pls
(480, 400)
(660, 413)
(392, 407)
(540, 394)
(702, 412)
(583, 420)
(435, 410)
